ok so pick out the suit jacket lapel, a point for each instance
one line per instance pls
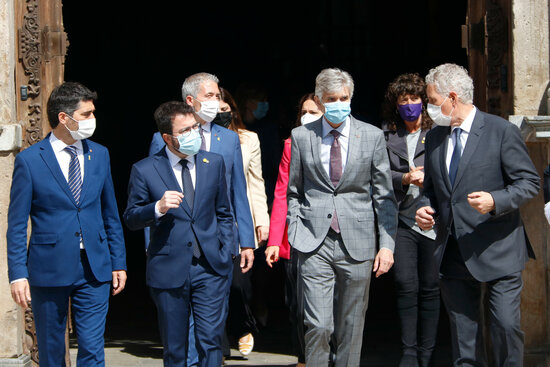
(200, 178)
(215, 138)
(50, 160)
(164, 169)
(89, 169)
(316, 136)
(443, 158)
(471, 145)
(353, 138)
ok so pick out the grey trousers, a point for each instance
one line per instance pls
(335, 298)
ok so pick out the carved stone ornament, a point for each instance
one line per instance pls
(31, 59)
(30, 344)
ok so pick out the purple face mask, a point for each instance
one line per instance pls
(410, 112)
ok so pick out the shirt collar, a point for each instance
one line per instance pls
(343, 129)
(466, 125)
(59, 145)
(207, 126)
(175, 160)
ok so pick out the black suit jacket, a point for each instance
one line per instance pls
(494, 160)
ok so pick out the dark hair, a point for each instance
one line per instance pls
(413, 84)
(304, 98)
(166, 112)
(236, 121)
(66, 98)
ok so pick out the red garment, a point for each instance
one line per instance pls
(278, 230)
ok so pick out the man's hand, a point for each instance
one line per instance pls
(262, 232)
(119, 281)
(424, 218)
(247, 259)
(170, 200)
(481, 201)
(21, 293)
(382, 262)
(271, 255)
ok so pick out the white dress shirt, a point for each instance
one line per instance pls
(328, 139)
(466, 126)
(176, 168)
(207, 132)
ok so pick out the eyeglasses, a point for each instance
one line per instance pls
(187, 131)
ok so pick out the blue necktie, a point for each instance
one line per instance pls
(189, 196)
(75, 177)
(455, 159)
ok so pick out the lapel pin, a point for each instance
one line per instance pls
(89, 157)
(423, 139)
(206, 160)
(218, 138)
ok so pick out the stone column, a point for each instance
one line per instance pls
(530, 78)
(11, 316)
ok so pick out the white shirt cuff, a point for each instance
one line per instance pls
(18, 280)
(547, 211)
(158, 214)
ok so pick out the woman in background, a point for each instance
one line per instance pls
(414, 269)
(240, 321)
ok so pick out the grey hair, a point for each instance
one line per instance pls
(333, 80)
(192, 84)
(449, 78)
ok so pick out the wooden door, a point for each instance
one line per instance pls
(486, 38)
(41, 46)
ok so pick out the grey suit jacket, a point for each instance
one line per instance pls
(363, 199)
(494, 160)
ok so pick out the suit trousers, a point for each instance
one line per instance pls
(336, 293)
(463, 300)
(205, 291)
(90, 303)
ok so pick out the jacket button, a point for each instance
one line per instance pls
(335, 193)
(79, 210)
(329, 216)
(77, 234)
(193, 221)
(189, 244)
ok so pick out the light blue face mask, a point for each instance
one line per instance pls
(336, 112)
(261, 110)
(190, 144)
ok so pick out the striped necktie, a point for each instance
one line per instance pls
(75, 177)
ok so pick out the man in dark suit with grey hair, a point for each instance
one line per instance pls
(477, 175)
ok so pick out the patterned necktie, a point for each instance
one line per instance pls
(203, 140)
(457, 153)
(189, 196)
(335, 172)
(75, 177)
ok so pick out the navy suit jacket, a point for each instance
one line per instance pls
(226, 143)
(494, 160)
(170, 250)
(40, 190)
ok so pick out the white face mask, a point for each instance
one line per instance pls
(308, 118)
(208, 110)
(85, 128)
(437, 115)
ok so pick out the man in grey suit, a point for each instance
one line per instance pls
(340, 205)
(477, 175)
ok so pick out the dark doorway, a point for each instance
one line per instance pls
(136, 56)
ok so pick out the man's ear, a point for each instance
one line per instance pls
(319, 103)
(62, 117)
(167, 139)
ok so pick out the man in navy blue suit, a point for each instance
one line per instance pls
(181, 194)
(76, 248)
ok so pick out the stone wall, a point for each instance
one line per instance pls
(11, 324)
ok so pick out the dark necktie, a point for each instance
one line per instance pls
(457, 153)
(335, 172)
(189, 196)
(203, 140)
(75, 177)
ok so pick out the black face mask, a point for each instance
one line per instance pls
(223, 119)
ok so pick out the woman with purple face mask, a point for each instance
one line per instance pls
(407, 123)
